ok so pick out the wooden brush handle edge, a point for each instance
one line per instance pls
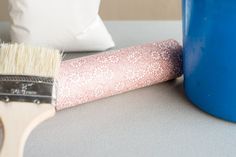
(19, 119)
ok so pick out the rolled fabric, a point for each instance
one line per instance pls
(90, 78)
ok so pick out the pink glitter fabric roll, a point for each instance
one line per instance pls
(109, 73)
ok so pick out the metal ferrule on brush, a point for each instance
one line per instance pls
(20, 88)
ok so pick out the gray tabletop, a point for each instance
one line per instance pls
(150, 122)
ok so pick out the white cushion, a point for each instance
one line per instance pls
(69, 25)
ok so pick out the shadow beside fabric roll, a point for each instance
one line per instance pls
(109, 73)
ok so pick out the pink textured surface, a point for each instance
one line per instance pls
(105, 74)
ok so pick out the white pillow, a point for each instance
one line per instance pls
(70, 25)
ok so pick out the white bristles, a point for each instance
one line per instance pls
(20, 59)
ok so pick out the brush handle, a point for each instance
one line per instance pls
(19, 119)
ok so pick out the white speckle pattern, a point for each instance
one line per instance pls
(109, 73)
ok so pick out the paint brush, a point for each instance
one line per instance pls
(27, 92)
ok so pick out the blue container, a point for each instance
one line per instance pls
(209, 30)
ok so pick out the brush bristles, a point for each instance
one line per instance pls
(20, 59)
